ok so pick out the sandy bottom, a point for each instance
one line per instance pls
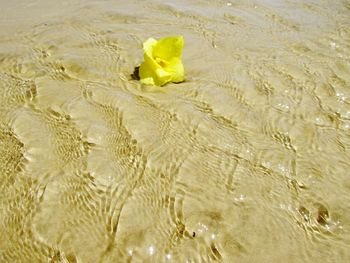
(246, 161)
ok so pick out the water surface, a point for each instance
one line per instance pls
(246, 161)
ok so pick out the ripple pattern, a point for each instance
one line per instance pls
(246, 161)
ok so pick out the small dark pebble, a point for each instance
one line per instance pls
(194, 234)
(136, 75)
(323, 215)
(304, 213)
(215, 252)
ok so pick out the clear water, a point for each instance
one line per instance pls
(246, 161)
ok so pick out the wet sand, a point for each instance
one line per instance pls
(245, 161)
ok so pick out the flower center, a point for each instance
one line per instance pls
(161, 62)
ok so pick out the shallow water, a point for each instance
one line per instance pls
(246, 161)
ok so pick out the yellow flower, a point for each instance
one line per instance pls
(162, 61)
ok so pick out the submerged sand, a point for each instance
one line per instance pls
(246, 161)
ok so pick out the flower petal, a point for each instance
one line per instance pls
(169, 47)
(176, 69)
(162, 61)
(148, 46)
(151, 73)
